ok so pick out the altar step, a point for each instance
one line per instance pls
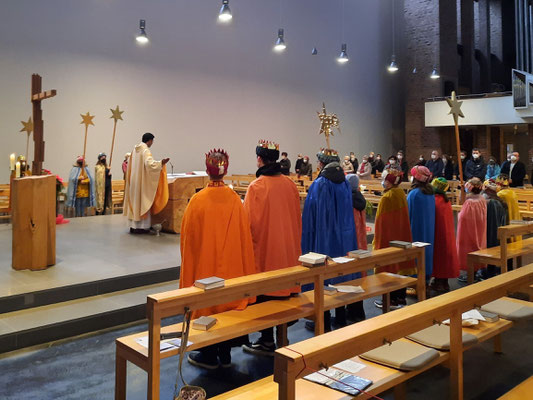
(37, 325)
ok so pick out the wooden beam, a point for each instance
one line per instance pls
(43, 95)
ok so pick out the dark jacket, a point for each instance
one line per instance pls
(298, 165)
(448, 170)
(517, 175)
(334, 172)
(358, 200)
(435, 167)
(285, 166)
(475, 168)
(378, 166)
(306, 169)
(355, 164)
(496, 217)
(405, 169)
(456, 168)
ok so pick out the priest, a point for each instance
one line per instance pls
(146, 189)
(215, 241)
(272, 203)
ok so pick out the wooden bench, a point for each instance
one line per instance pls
(505, 251)
(300, 359)
(256, 317)
(117, 196)
(521, 392)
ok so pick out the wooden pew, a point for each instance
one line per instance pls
(117, 196)
(505, 251)
(4, 201)
(294, 362)
(521, 392)
(256, 317)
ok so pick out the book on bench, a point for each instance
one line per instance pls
(204, 323)
(359, 253)
(212, 282)
(401, 244)
(312, 259)
(520, 222)
(332, 378)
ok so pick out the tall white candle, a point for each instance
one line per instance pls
(12, 162)
(17, 169)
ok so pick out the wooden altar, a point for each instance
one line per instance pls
(180, 190)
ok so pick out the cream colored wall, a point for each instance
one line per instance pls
(197, 85)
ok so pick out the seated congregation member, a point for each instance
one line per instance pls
(421, 203)
(447, 172)
(285, 164)
(435, 165)
(306, 168)
(471, 225)
(393, 163)
(328, 225)
(347, 165)
(215, 241)
(421, 160)
(493, 169)
(392, 223)
(365, 169)
(475, 167)
(404, 166)
(445, 262)
(298, 164)
(496, 217)
(464, 160)
(359, 211)
(354, 161)
(378, 165)
(80, 191)
(511, 201)
(272, 203)
(515, 170)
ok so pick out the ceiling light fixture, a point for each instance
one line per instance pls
(393, 66)
(280, 42)
(142, 38)
(343, 57)
(225, 13)
(435, 73)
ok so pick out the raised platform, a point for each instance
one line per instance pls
(101, 279)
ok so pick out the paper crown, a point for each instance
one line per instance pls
(491, 184)
(265, 144)
(327, 156)
(329, 152)
(503, 180)
(392, 176)
(421, 173)
(440, 185)
(216, 162)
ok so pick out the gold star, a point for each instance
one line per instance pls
(327, 122)
(455, 107)
(27, 126)
(87, 119)
(116, 114)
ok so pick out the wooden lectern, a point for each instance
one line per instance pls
(33, 210)
(180, 191)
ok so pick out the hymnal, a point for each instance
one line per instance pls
(212, 282)
(489, 317)
(312, 259)
(203, 323)
(332, 378)
(401, 244)
(329, 291)
(519, 222)
(360, 253)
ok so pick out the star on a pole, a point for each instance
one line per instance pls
(455, 107)
(27, 126)
(87, 119)
(116, 114)
(327, 121)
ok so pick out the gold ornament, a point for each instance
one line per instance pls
(327, 122)
(116, 114)
(87, 119)
(455, 107)
(27, 126)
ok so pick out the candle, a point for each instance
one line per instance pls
(12, 162)
(17, 169)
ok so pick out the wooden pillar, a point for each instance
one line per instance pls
(319, 304)
(154, 352)
(456, 356)
(34, 222)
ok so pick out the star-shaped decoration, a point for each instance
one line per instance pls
(27, 126)
(327, 122)
(87, 119)
(455, 107)
(116, 114)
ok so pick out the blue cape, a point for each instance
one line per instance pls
(328, 225)
(73, 186)
(422, 218)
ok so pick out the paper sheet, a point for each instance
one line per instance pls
(342, 260)
(473, 315)
(348, 288)
(420, 244)
(350, 366)
(163, 345)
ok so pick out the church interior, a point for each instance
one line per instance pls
(301, 199)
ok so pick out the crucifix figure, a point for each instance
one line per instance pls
(38, 126)
(327, 122)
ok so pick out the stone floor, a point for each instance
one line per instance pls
(83, 368)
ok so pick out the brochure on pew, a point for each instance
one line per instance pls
(348, 288)
(339, 380)
(470, 318)
(164, 345)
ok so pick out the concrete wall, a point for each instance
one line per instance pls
(197, 85)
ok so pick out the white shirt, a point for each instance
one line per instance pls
(511, 168)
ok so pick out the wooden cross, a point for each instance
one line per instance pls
(38, 126)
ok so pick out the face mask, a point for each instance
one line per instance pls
(492, 162)
(433, 156)
(421, 158)
(475, 156)
(399, 156)
(411, 179)
(378, 158)
(466, 189)
(444, 160)
(463, 157)
(513, 158)
(392, 162)
(352, 158)
(305, 161)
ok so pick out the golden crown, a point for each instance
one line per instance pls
(265, 144)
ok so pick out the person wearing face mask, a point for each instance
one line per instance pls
(285, 164)
(306, 168)
(464, 159)
(298, 164)
(347, 165)
(393, 163)
(80, 191)
(365, 169)
(435, 165)
(516, 170)
(506, 163)
(493, 169)
(354, 161)
(392, 223)
(475, 167)
(404, 166)
(378, 166)
(421, 160)
(448, 167)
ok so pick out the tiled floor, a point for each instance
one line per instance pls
(89, 249)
